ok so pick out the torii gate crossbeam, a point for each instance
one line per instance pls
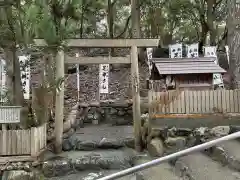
(103, 43)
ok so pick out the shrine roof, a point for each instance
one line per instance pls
(201, 65)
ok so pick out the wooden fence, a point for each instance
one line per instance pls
(23, 142)
(191, 102)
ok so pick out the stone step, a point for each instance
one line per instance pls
(227, 153)
(100, 137)
(76, 143)
(198, 166)
(79, 161)
(160, 172)
(92, 175)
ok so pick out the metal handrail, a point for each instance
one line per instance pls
(170, 157)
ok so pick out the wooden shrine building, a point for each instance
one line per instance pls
(184, 73)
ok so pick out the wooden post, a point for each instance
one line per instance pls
(136, 98)
(4, 141)
(59, 102)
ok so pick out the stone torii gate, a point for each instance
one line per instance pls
(102, 43)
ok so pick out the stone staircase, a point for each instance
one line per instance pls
(95, 151)
(110, 155)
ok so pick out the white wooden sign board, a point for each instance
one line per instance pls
(192, 50)
(175, 51)
(25, 75)
(103, 78)
(227, 52)
(210, 51)
(149, 55)
(9, 114)
(78, 78)
(2, 80)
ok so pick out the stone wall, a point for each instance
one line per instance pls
(119, 82)
(115, 113)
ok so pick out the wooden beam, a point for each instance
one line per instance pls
(105, 43)
(97, 60)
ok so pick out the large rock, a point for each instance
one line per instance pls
(220, 131)
(103, 160)
(69, 144)
(175, 143)
(155, 147)
(107, 143)
(183, 132)
(129, 142)
(57, 166)
(20, 175)
(87, 145)
(234, 129)
(202, 131)
(69, 133)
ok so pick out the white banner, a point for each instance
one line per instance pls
(25, 75)
(103, 78)
(227, 52)
(78, 78)
(210, 51)
(2, 80)
(149, 55)
(175, 51)
(192, 50)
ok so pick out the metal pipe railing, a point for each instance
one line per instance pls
(170, 157)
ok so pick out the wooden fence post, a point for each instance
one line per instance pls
(33, 141)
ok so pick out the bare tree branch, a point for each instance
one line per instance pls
(125, 27)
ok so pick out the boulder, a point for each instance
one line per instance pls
(68, 134)
(202, 131)
(220, 131)
(69, 144)
(20, 175)
(107, 143)
(234, 129)
(155, 147)
(86, 145)
(175, 143)
(183, 132)
(129, 142)
(95, 161)
(172, 131)
(57, 166)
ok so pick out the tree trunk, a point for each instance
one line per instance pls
(210, 22)
(59, 103)
(204, 31)
(234, 45)
(110, 18)
(14, 83)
